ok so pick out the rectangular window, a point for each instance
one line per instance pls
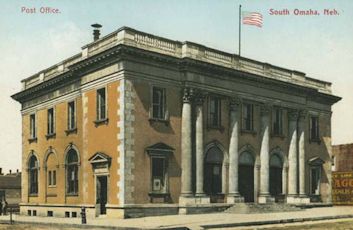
(51, 129)
(214, 112)
(52, 178)
(71, 115)
(248, 123)
(72, 179)
(32, 122)
(277, 121)
(314, 128)
(101, 104)
(33, 181)
(158, 174)
(158, 103)
(49, 178)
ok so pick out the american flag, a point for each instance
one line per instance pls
(252, 18)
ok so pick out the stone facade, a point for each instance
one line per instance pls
(342, 158)
(160, 122)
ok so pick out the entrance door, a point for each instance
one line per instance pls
(246, 176)
(213, 174)
(213, 181)
(102, 193)
(275, 176)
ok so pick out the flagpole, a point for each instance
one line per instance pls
(239, 30)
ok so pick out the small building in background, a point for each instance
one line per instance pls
(342, 158)
(10, 187)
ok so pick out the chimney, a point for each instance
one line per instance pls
(0, 171)
(96, 31)
(10, 171)
(17, 171)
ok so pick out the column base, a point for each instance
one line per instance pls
(265, 199)
(186, 200)
(234, 198)
(202, 199)
(304, 199)
(295, 199)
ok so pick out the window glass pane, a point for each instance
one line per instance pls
(50, 121)
(101, 104)
(157, 167)
(214, 111)
(33, 125)
(158, 103)
(247, 116)
(72, 156)
(49, 178)
(54, 178)
(71, 115)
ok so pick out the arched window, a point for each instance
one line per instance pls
(72, 172)
(33, 175)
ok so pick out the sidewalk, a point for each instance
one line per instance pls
(197, 221)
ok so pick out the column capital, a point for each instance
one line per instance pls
(265, 109)
(303, 114)
(188, 95)
(293, 114)
(234, 102)
(200, 98)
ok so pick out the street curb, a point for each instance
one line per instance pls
(282, 221)
(82, 225)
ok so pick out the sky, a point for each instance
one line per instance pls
(319, 45)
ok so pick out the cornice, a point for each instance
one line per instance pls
(185, 64)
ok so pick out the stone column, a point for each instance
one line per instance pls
(292, 157)
(264, 156)
(186, 146)
(284, 179)
(256, 181)
(234, 196)
(301, 130)
(201, 197)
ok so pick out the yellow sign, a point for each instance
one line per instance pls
(342, 188)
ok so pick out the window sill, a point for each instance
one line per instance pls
(218, 127)
(52, 195)
(71, 131)
(278, 136)
(72, 194)
(318, 141)
(33, 195)
(104, 121)
(158, 120)
(245, 131)
(51, 186)
(33, 139)
(159, 195)
(51, 135)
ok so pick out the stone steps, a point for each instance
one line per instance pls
(245, 208)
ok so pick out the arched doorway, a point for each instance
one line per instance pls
(246, 176)
(213, 171)
(276, 168)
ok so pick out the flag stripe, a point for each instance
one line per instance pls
(252, 18)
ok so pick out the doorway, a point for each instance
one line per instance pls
(213, 173)
(101, 194)
(246, 176)
(276, 168)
